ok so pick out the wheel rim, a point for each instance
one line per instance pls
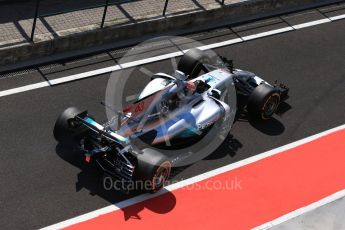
(270, 106)
(161, 176)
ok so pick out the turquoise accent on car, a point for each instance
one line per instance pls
(118, 137)
(188, 133)
(210, 78)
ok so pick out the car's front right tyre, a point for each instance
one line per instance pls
(263, 102)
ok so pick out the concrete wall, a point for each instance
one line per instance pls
(89, 37)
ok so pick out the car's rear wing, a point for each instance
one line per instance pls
(90, 123)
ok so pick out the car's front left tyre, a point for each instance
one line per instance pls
(192, 62)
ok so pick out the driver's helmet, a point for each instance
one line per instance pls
(190, 86)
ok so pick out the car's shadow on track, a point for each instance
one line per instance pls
(271, 127)
(229, 147)
(90, 178)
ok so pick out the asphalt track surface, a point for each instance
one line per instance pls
(43, 183)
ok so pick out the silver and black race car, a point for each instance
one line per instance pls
(169, 110)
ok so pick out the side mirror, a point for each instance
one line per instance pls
(216, 93)
(229, 63)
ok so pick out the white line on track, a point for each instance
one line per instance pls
(162, 57)
(204, 176)
(221, 44)
(268, 33)
(312, 23)
(24, 88)
(335, 18)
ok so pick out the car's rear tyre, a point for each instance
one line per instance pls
(153, 170)
(263, 102)
(66, 129)
(192, 62)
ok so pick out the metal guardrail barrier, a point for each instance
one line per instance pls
(106, 4)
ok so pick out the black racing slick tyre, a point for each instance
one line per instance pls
(153, 170)
(66, 129)
(263, 102)
(192, 62)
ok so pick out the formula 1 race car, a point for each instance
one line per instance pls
(170, 109)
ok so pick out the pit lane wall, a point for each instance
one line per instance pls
(89, 39)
